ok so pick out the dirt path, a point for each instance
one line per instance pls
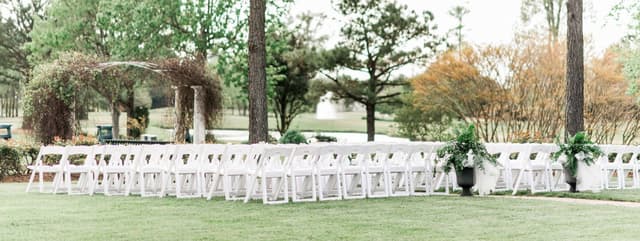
(577, 201)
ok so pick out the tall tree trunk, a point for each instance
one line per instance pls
(371, 121)
(115, 120)
(131, 103)
(575, 69)
(258, 126)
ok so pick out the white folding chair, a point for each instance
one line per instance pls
(301, 173)
(629, 166)
(397, 167)
(271, 175)
(211, 156)
(539, 168)
(184, 172)
(328, 173)
(420, 168)
(352, 172)
(234, 171)
(86, 168)
(615, 168)
(117, 169)
(153, 163)
(503, 153)
(520, 165)
(44, 163)
(441, 180)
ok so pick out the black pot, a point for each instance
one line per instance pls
(571, 180)
(466, 180)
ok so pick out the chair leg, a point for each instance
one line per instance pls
(33, 175)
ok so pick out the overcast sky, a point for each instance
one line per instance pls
(490, 21)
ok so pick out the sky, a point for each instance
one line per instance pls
(489, 21)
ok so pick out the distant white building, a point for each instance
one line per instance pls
(327, 108)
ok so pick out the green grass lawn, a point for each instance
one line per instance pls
(161, 120)
(349, 122)
(628, 195)
(61, 217)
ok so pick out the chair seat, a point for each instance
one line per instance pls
(375, 169)
(352, 170)
(304, 171)
(153, 168)
(74, 168)
(186, 169)
(397, 169)
(234, 171)
(327, 171)
(117, 169)
(54, 168)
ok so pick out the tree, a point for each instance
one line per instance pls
(575, 69)
(377, 42)
(258, 125)
(552, 12)
(14, 33)
(459, 12)
(300, 62)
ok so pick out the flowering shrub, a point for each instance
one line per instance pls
(79, 140)
(15, 156)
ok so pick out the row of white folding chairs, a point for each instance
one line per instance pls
(226, 169)
(324, 172)
(147, 170)
(530, 166)
(338, 171)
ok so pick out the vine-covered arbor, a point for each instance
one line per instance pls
(53, 96)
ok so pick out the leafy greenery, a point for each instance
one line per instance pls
(299, 60)
(323, 138)
(579, 144)
(293, 137)
(9, 161)
(455, 153)
(432, 124)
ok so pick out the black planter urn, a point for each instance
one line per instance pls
(571, 180)
(466, 180)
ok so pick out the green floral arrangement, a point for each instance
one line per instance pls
(577, 147)
(455, 153)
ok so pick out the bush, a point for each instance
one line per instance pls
(420, 125)
(15, 156)
(322, 138)
(293, 137)
(138, 122)
(9, 161)
(80, 140)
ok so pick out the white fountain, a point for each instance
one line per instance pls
(326, 108)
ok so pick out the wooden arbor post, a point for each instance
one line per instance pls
(180, 128)
(199, 128)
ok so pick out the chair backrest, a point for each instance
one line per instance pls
(134, 152)
(517, 154)
(236, 156)
(212, 154)
(331, 156)
(153, 155)
(359, 155)
(186, 155)
(48, 154)
(114, 155)
(543, 153)
(304, 157)
(275, 158)
(401, 154)
(619, 154)
(79, 155)
(426, 152)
